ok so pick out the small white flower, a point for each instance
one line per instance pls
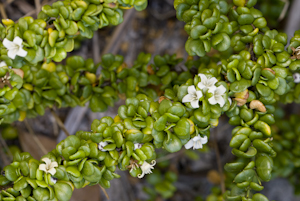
(14, 47)
(101, 146)
(137, 146)
(196, 142)
(49, 167)
(146, 168)
(207, 83)
(217, 96)
(192, 97)
(296, 77)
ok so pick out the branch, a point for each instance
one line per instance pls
(60, 123)
(220, 166)
(37, 141)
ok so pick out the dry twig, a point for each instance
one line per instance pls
(284, 10)
(35, 138)
(220, 166)
(170, 156)
(96, 48)
(2, 10)
(33, 11)
(10, 155)
(4, 158)
(104, 191)
(37, 6)
(60, 123)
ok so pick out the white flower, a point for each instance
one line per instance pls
(217, 96)
(207, 83)
(296, 77)
(49, 167)
(146, 168)
(196, 142)
(101, 146)
(137, 146)
(192, 97)
(14, 47)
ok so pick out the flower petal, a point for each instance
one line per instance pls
(202, 77)
(198, 145)
(42, 167)
(17, 40)
(53, 165)
(52, 171)
(187, 98)
(195, 103)
(204, 140)
(22, 52)
(7, 43)
(191, 89)
(212, 89)
(141, 175)
(212, 100)
(189, 144)
(201, 85)
(212, 81)
(12, 54)
(220, 90)
(47, 161)
(220, 100)
(199, 94)
(196, 138)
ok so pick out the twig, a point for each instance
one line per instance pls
(104, 191)
(10, 155)
(170, 156)
(3, 155)
(284, 10)
(60, 123)
(33, 11)
(2, 10)
(55, 126)
(8, 2)
(96, 47)
(292, 24)
(37, 141)
(37, 6)
(114, 43)
(4, 159)
(224, 127)
(220, 167)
